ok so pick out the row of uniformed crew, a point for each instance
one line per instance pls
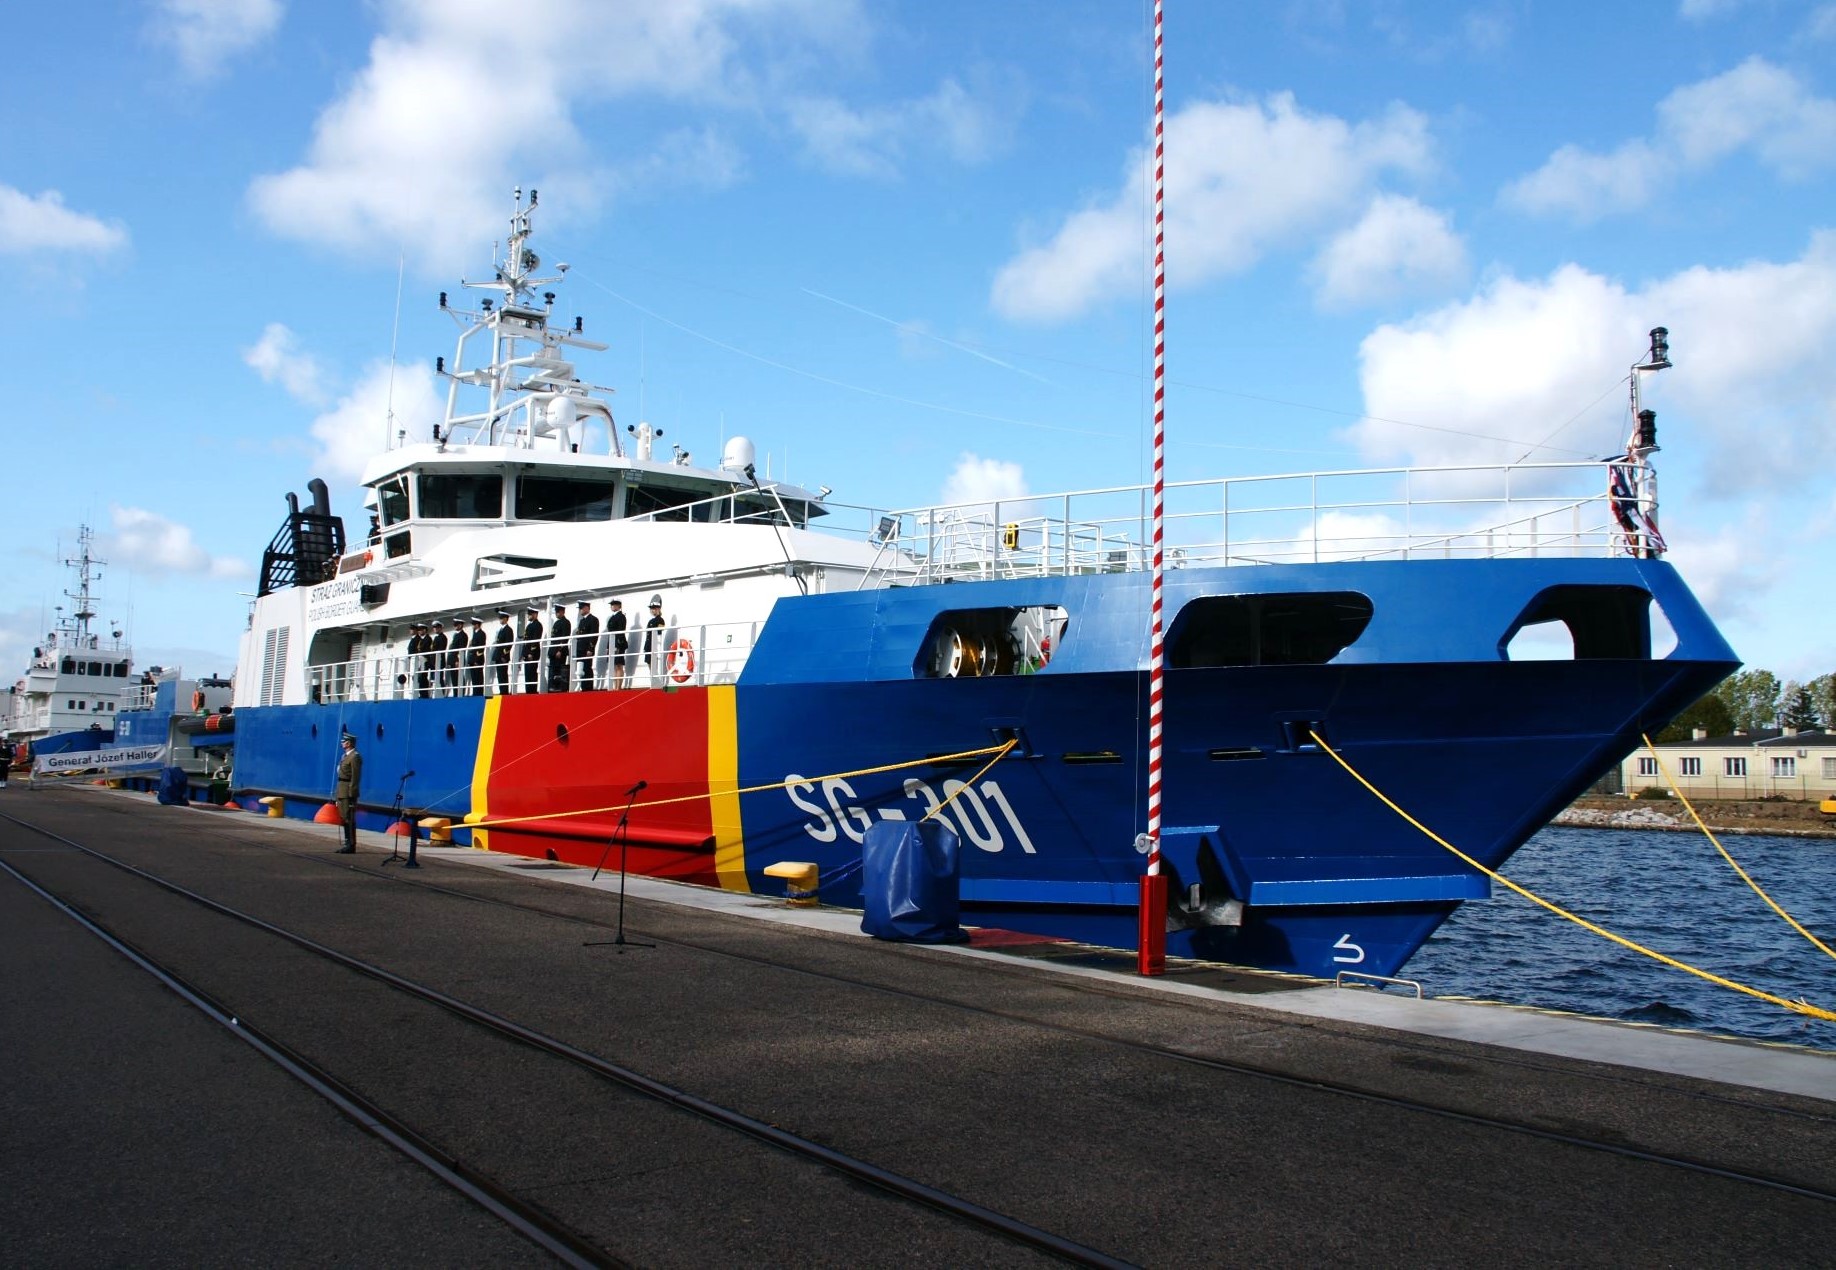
(454, 665)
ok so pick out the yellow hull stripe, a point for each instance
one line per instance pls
(481, 769)
(723, 787)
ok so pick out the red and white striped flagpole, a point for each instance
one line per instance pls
(1152, 915)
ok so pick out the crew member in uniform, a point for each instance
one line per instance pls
(586, 644)
(436, 645)
(531, 651)
(620, 645)
(475, 657)
(346, 792)
(654, 653)
(500, 651)
(418, 645)
(558, 648)
(455, 658)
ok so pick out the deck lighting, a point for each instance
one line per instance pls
(576, 322)
(550, 297)
(486, 302)
(1647, 429)
(443, 299)
(1660, 350)
(439, 365)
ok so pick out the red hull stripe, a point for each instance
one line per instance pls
(553, 752)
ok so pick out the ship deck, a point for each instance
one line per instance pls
(1213, 1116)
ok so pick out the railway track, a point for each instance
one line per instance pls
(529, 1220)
(1233, 1072)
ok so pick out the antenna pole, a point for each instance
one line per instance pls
(1152, 955)
(395, 333)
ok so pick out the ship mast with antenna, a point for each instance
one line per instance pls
(84, 562)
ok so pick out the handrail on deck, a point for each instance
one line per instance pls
(1465, 511)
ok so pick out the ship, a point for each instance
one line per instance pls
(794, 670)
(78, 678)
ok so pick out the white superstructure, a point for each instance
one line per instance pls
(527, 494)
(77, 679)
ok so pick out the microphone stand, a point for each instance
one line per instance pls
(395, 818)
(621, 835)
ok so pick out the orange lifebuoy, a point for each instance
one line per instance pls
(1045, 651)
(682, 661)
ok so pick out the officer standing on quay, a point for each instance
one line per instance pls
(586, 644)
(346, 792)
(558, 648)
(620, 645)
(500, 651)
(531, 651)
(436, 645)
(475, 657)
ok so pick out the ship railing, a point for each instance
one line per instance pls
(1456, 512)
(683, 655)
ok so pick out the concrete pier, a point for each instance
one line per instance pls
(1212, 1117)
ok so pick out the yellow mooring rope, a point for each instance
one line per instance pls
(1724, 851)
(1797, 1007)
(1001, 754)
(997, 750)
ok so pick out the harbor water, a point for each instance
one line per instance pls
(1671, 892)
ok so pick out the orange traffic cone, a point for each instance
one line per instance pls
(327, 815)
(400, 829)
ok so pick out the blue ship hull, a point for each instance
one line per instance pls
(1276, 857)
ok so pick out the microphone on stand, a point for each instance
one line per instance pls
(622, 836)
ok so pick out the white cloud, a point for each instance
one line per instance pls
(30, 224)
(1703, 10)
(146, 540)
(356, 428)
(1756, 106)
(276, 357)
(206, 33)
(1243, 178)
(1398, 247)
(872, 142)
(979, 480)
(454, 102)
(1519, 360)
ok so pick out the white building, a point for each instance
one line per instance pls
(1759, 764)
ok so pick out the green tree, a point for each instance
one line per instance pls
(1710, 713)
(1752, 697)
(1799, 708)
(1823, 693)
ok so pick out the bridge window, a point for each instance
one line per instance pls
(392, 501)
(1306, 629)
(563, 499)
(466, 496)
(667, 502)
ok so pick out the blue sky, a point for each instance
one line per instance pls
(901, 246)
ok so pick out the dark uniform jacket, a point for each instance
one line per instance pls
(532, 639)
(558, 631)
(475, 650)
(500, 654)
(615, 627)
(586, 636)
(350, 777)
